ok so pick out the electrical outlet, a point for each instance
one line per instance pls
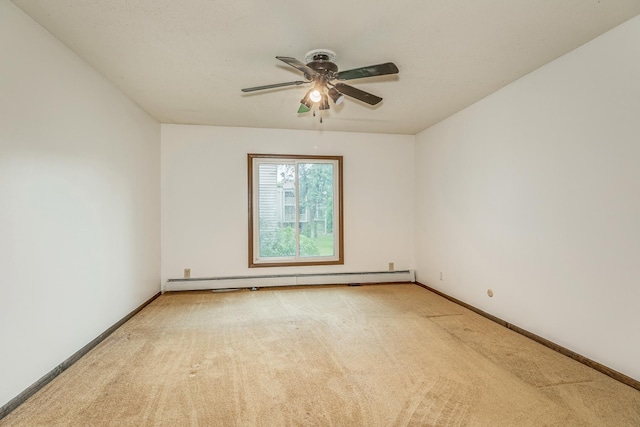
(441, 276)
(187, 273)
(391, 266)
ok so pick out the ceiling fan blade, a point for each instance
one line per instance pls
(370, 71)
(358, 94)
(253, 89)
(308, 72)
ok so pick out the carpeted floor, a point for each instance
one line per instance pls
(384, 355)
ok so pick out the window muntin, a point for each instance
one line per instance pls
(295, 213)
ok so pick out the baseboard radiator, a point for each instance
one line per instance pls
(239, 282)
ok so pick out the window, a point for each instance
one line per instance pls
(295, 210)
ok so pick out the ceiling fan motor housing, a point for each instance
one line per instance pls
(323, 65)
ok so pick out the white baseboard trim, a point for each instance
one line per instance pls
(239, 282)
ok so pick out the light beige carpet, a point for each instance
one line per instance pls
(384, 355)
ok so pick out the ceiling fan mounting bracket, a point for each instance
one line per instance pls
(316, 54)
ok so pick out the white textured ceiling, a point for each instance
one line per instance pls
(186, 61)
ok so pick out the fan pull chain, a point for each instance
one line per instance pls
(314, 114)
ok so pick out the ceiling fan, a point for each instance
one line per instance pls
(320, 70)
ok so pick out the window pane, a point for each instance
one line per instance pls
(315, 186)
(276, 210)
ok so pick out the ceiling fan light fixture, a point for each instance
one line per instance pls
(324, 104)
(306, 101)
(336, 96)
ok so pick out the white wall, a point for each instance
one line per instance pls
(79, 203)
(204, 197)
(535, 193)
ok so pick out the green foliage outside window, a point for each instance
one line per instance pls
(282, 243)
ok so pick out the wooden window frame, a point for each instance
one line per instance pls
(251, 205)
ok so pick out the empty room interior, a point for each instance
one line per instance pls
(448, 235)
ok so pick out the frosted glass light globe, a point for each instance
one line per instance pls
(315, 95)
